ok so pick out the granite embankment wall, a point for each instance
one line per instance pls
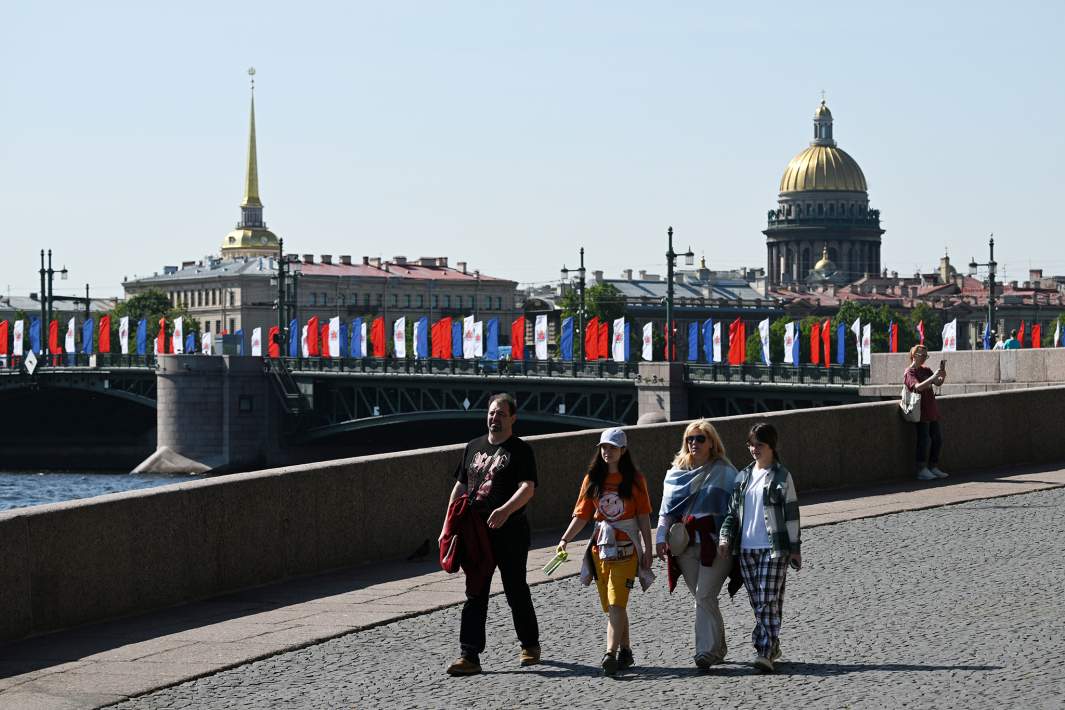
(71, 563)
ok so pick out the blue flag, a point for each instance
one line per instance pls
(456, 339)
(841, 345)
(566, 343)
(344, 349)
(628, 341)
(796, 345)
(35, 336)
(987, 337)
(142, 336)
(421, 344)
(190, 343)
(294, 336)
(491, 340)
(240, 343)
(356, 337)
(86, 337)
(693, 342)
(708, 340)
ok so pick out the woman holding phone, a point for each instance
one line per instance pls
(919, 378)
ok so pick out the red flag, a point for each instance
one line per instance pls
(815, 343)
(1020, 334)
(1037, 335)
(377, 336)
(517, 339)
(434, 340)
(3, 337)
(312, 336)
(920, 331)
(445, 338)
(669, 338)
(160, 338)
(105, 334)
(591, 339)
(603, 348)
(324, 339)
(274, 347)
(826, 341)
(53, 338)
(894, 337)
(737, 345)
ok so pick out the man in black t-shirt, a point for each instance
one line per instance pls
(498, 471)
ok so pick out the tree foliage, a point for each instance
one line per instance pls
(601, 300)
(152, 305)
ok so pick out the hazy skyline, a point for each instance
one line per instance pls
(508, 135)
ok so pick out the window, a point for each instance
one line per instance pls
(207, 326)
(436, 300)
(366, 299)
(325, 299)
(832, 210)
(314, 299)
(820, 209)
(232, 326)
(406, 300)
(232, 298)
(340, 300)
(395, 300)
(380, 299)
(487, 301)
(447, 301)
(473, 303)
(421, 301)
(499, 303)
(218, 326)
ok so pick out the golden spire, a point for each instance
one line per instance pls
(251, 181)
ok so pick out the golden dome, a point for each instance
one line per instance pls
(823, 167)
(822, 111)
(825, 264)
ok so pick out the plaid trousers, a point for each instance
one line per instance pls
(764, 578)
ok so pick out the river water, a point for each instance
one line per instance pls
(21, 489)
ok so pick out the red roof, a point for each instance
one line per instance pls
(403, 271)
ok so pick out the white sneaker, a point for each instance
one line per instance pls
(937, 473)
(925, 475)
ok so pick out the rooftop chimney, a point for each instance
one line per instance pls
(345, 259)
(308, 258)
(461, 266)
(399, 260)
(327, 258)
(375, 261)
(642, 274)
(627, 274)
(1035, 274)
(365, 261)
(598, 276)
(441, 261)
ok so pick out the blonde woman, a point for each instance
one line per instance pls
(696, 493)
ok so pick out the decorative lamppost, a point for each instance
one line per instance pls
(46, 295)
(580, 312)
(991, 265)
(689, 259)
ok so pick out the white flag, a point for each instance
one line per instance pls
(417, 334)
(1057, 333)
(69, 344)
(856, 328)
(617, 345)
(362, 340)
(467, 338)
(177, 341)
(950, 336)
(257, 342)
(789, 343)
(540, 337)
(334, 336)
(647, 352)
(304, 347)
(17, 349)
(717, 342)
(206, 344)
(867, 343)
(123, 335)
(763, 333)
(478, 338)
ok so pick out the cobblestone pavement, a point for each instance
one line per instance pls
(960, 606)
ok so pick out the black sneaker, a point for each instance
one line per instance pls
(625, 659)
(610, 664)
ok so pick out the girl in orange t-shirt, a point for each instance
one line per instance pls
(614, 494)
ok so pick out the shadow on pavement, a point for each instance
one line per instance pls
(835, 669)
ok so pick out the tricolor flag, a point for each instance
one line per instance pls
(334, 337)
(717, 342)
(763, 333)
(540, 337)
(617, 345)
(791, 345)
(468, 344)
(399, 337)
(305, 345)
(647, 351)
(708, 340)
(1057, 333)
(826, 341)
(68, 344)
(177, 340)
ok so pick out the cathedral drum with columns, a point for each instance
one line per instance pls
(822, 229)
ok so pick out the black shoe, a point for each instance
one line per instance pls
(610, 664)
(625, 659)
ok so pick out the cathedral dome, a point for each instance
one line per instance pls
(823, 167)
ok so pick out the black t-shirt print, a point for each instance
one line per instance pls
(493, 472)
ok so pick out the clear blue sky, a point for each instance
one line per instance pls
(507, 134)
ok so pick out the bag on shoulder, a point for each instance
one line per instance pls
(910, 405)
(677, 536)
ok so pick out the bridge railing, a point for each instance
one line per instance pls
(81, 360)
(777, 373)
(599, 369)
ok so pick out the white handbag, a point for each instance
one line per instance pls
(910, 404)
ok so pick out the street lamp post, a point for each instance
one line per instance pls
(991, 266)
(689, 259)
(580, 311)
(47, 275)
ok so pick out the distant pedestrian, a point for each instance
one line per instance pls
(498, 474)
(614, 494)
(919, 378)
(1012, 343)
(762, 527)
(695, 495)
(1000, 344)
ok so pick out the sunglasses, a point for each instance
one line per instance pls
(697, 439)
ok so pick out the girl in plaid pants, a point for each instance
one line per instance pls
(762, 527)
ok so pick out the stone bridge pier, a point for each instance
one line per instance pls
(214, 414)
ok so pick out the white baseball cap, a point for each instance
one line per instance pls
(614, 437)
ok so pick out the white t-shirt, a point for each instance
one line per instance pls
(755, 536)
